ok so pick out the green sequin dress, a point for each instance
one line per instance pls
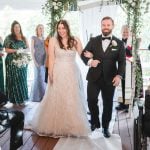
(16, 78)
(1, 72)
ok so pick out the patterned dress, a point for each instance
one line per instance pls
(1, 72)
(16, 78)
(61, 112)
(39, 85)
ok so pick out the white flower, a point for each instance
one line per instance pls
(59, 4)
(21, 59)
(130, 1)
(54, 4)
(133, 4)
(114, 43)
(56, 7)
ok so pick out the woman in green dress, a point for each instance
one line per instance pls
(1, 68)
(16, 77)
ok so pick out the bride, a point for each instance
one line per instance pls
(61, 112)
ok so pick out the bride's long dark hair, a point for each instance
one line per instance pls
(71, 40)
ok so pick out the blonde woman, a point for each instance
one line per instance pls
(38, 55)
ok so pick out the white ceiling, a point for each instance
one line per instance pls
(22, 4)
(37, 4)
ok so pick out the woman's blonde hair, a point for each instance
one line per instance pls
(125, 27)
(36, 29)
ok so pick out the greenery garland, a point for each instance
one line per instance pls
(135, 9)
(55, 10)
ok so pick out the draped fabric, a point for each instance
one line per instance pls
(16, 78)
(90, 20)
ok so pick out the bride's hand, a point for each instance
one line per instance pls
(88, 54)
(50, 77)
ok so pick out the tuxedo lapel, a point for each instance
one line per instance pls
(108, 48)
(100, 47)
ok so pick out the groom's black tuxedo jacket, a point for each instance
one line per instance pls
(112, 61)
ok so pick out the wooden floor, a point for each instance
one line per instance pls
(31, 141)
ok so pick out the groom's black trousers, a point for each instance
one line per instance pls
(107, 92)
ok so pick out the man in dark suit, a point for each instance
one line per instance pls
(103, 74)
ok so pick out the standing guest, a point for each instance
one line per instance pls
(16, 77)
(38, 54)
(127, 40)
(46, 61)
(103, 74)
(1, 67)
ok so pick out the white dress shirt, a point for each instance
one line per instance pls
(106, 42)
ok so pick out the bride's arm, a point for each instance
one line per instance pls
(79, 49)
(78, 46)
(51, 55)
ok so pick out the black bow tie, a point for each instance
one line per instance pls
(124, 40)
(106, 38)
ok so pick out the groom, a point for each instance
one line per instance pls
(103, 75)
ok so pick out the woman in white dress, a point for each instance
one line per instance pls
(61, 112)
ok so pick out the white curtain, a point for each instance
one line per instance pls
(90, 20)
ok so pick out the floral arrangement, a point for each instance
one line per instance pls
(22, 58)
(55, 10)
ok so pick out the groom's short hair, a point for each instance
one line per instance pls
(107, 18)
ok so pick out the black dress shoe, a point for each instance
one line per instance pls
(119, 107)
(93, 127)
(106, 133)
(122, 107)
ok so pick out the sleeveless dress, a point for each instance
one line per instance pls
(61, 112)
(39, 85)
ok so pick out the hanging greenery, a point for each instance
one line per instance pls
(55, 10)
(135, 10)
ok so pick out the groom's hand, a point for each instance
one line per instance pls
(116, 80)
(94, 63)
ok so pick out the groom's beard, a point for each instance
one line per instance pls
(106, 32)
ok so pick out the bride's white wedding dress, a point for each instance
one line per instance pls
(61, 112)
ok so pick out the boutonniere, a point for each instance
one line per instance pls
(113, 45)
